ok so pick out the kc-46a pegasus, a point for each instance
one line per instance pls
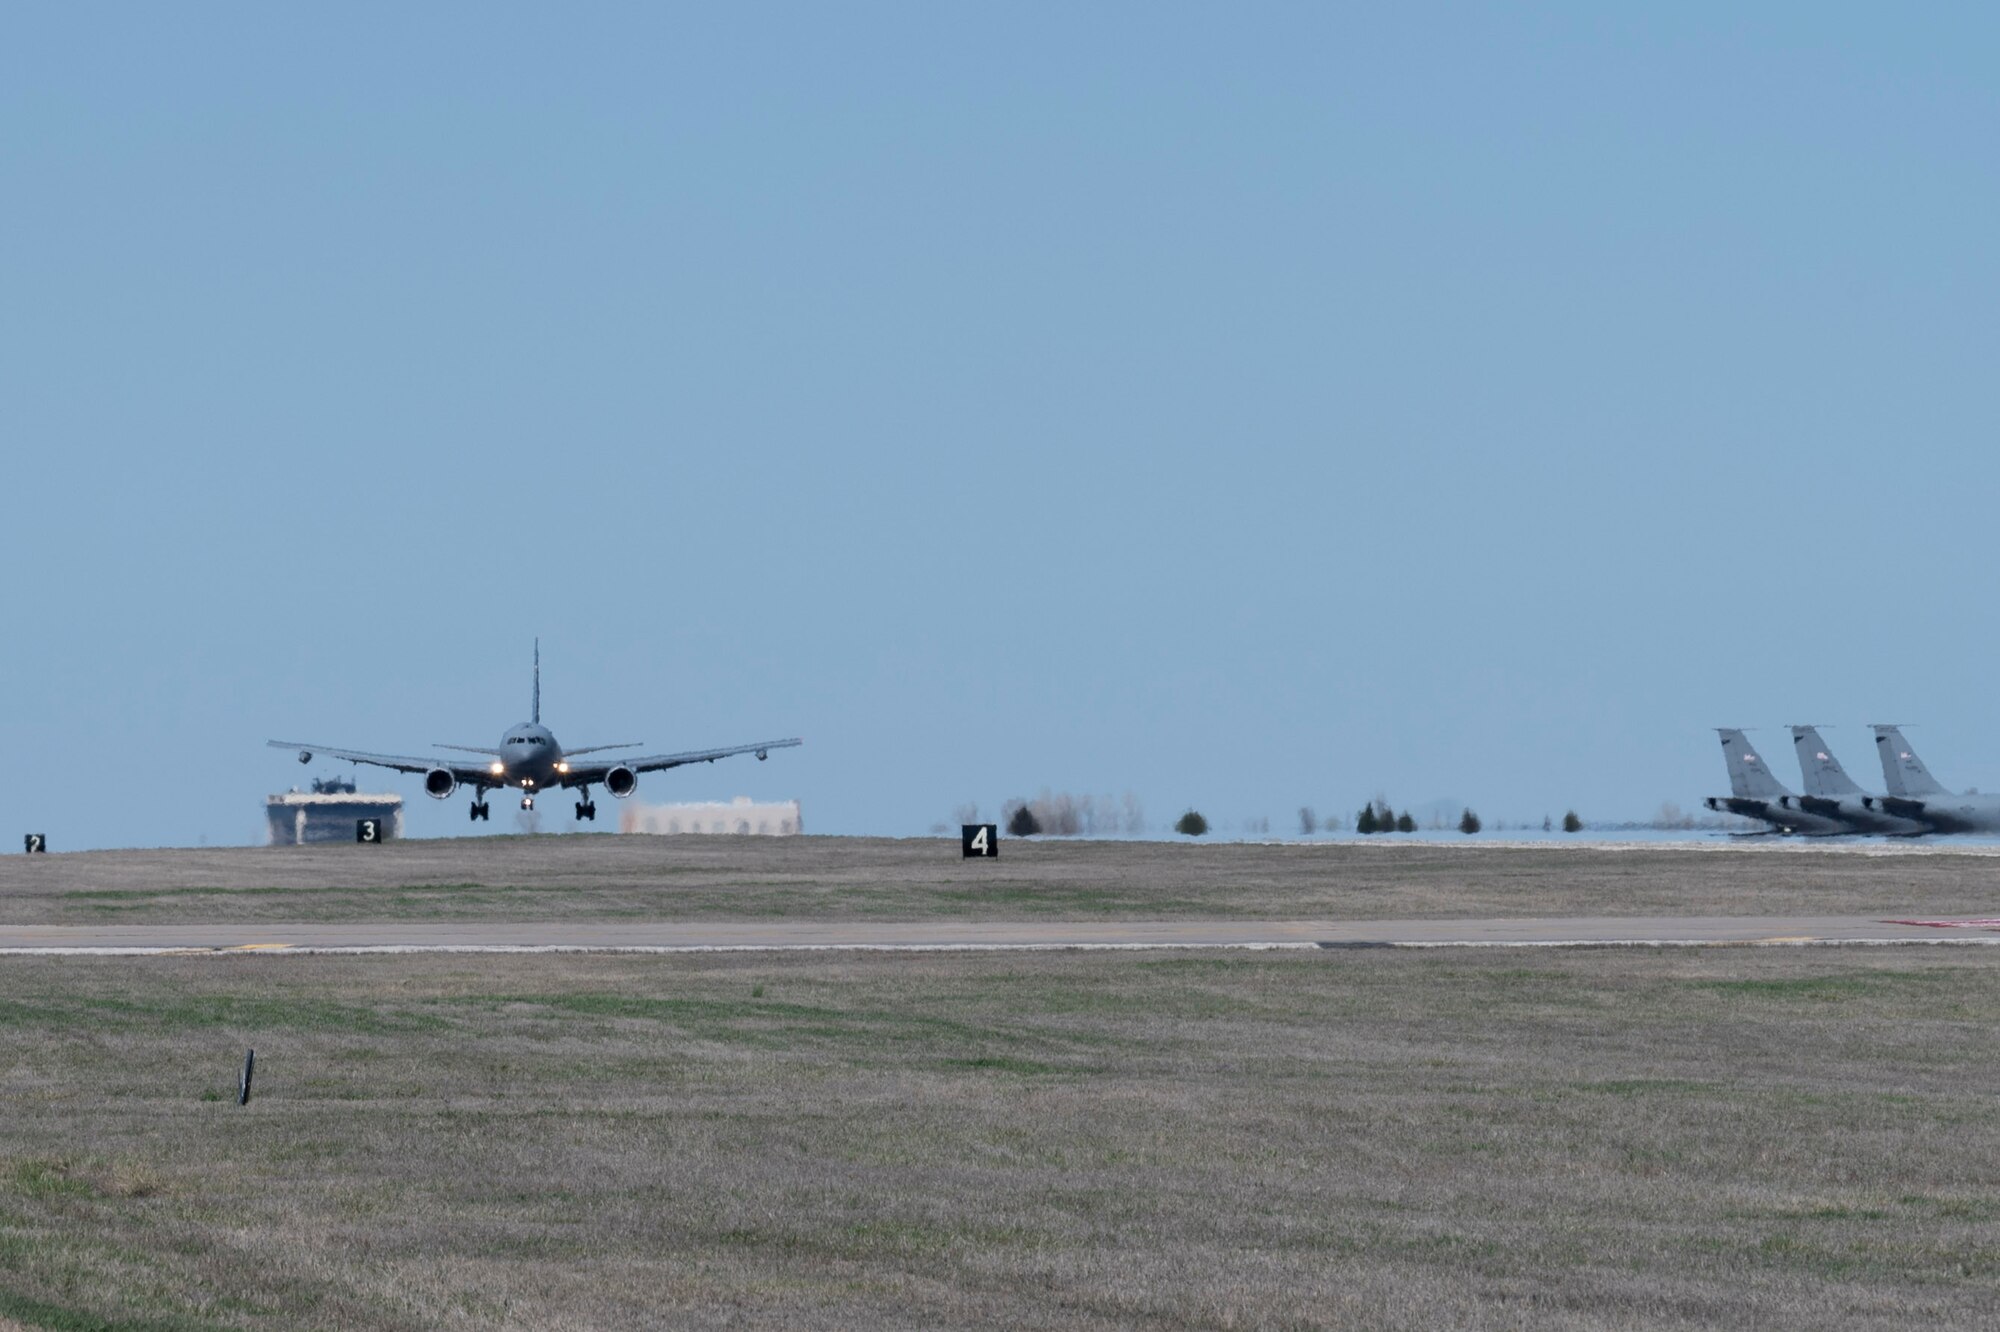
(529, 758)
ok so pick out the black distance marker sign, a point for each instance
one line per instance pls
(979, 841)
(368, 830)
(34, 844)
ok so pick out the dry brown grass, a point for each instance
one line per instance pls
(1605, 1139)
(837, 878)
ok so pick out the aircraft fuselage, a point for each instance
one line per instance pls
(529, 758)
(1946, 813)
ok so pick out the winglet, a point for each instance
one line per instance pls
(536, 715)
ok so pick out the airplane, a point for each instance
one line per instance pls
(1831, 793)
(1756, 794)
(1915, 794)
(528, 757)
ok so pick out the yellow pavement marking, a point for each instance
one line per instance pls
(257, 948)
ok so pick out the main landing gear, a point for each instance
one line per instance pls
(527, 802)
(587, 809)
(480, 810)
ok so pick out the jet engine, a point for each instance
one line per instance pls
(439, 783)
(621, 781)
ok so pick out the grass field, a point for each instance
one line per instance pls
(1604, 1139)
(841, 878)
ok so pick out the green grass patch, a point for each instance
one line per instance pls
(1647, 1087)
(1006, 1064)
(62, 1318)
(49, 1178)
(1836, 986)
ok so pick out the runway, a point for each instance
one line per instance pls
(806, 935)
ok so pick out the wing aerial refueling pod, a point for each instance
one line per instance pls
(1755, 793)
(1915, 794)
(1832, 794)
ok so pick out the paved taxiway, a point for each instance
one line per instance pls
(699, 936)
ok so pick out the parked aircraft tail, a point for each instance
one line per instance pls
(1821, 771)
(1902, 771)
(1749, 777)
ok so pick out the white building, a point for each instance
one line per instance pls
(328, 813)
(741, 817)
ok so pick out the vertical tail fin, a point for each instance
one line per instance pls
(1902, 771)
(1749, 778)
(1821, 770)
(535, 715)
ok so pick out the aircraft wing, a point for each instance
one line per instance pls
(593, 772)
(464, 772)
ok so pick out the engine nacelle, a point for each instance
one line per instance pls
(439, 783)
(621, 781)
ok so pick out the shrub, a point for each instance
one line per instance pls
(1468, 822)
(1364, 822)
(1022, 822)
(1308, 821)
(1191, 824)
(1571, 823)
(1406, 822)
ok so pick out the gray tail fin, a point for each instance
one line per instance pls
(535, 715)
(1821, 770)
(1749, 777)
(1902, 771)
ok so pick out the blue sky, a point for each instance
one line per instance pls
(1244, 407)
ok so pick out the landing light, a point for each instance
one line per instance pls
(497, 768)
(562, 767)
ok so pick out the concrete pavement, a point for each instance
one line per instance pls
(701, 936)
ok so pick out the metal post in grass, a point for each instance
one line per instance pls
(243, 1083)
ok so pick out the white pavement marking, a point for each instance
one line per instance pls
(975, 936)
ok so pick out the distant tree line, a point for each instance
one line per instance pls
(1377, 817)
(1061, 814)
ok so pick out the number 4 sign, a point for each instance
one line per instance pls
(979, 841)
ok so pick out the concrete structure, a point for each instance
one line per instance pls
(328, 813)
(740, 816)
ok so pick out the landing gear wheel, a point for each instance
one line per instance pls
(480, 811)
(580, 807)
(590, 810)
